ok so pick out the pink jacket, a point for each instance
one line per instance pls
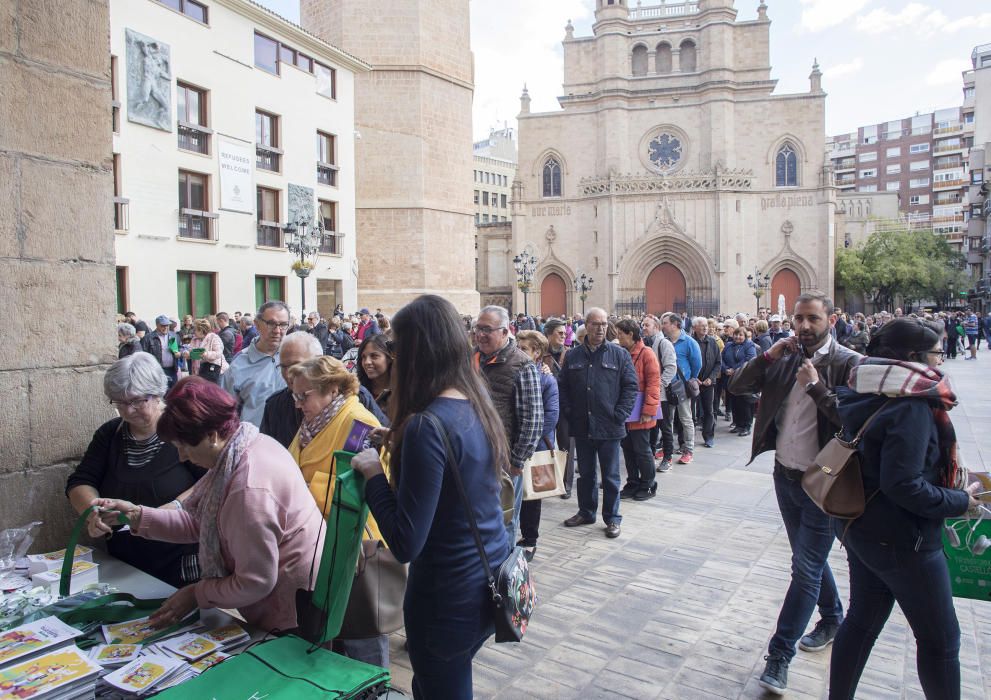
(213, 348)
(268, 531)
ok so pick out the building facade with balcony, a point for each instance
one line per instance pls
(229, 123)
(673, 170)
(922, 159)
(977, 111)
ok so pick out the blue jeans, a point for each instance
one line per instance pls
(810, 535)
(607, 452)
(514, 526)
(920, 582)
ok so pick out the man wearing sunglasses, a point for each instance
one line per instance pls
(254, 374)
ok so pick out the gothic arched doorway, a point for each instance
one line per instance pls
(553, 296)
(665, 287)
(785, 282)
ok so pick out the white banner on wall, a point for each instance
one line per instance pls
(237, 169)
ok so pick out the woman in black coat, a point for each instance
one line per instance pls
(127, 460)
(910, 474)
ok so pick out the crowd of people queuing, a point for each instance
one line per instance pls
(249, 392)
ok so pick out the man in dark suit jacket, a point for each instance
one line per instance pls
(163, 345)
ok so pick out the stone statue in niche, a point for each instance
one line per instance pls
(300, 203)
(149, 81)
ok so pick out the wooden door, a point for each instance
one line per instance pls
(665, 285)
(553, 296)
(784, 282)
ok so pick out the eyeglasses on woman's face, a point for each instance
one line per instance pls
(133, 404)
(300, 398)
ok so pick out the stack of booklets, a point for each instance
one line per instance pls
(83, 573)
(40, 660)
(137, 631)
(53, 560)
(146, 674)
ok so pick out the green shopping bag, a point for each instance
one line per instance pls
(970, 574)
(321, 613)
(287, 668)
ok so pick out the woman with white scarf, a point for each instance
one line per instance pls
(254, 564)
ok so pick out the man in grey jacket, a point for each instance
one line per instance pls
(668, 360)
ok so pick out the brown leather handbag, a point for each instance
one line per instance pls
(834, 482)
(375, 606)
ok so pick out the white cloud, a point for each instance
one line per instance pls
(881, 20)
(823, 14)
(849, 68)
(981, 21)
(948, 72)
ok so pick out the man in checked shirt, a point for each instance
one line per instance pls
(513, 381)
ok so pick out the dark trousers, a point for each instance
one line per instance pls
(607, 454)
(444, 631)
(666, 432)
(743, 411)
(810, 535)
(639, 459)
(705, 410)
(530, 522)
(920, 582)
(564, 443)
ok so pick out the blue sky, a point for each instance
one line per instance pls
(882, 59)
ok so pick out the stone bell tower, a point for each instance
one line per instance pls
(415, 227)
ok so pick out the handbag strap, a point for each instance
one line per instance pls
(867, 423)
(466, 503)
(548, 443)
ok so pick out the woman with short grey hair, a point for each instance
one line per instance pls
(128, 342)
(127, 460)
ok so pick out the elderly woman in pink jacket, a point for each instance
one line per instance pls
(256, 523)
(212, 363)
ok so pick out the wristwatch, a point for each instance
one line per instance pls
(808, 387)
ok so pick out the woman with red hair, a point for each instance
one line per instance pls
(252, 514)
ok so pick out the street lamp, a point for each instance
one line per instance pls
(525, 264)
(759, 284)
(304, 240)
(583, 285)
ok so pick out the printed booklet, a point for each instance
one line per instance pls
(65, 673)
(40, 636)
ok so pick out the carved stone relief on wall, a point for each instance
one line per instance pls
(300, 203)
(149, 81)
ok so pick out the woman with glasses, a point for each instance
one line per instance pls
(127, 460)
(912, 482)
(447, 609)
(327, 396)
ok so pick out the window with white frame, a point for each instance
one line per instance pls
(918, 182)
(919, 148)
(892, 186)
(867, 188)
(894, 152)
(917, 199)
(869, 172)
(918, 165)
(868, 157)
(893, 169)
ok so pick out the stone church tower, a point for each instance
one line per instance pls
(415, 228)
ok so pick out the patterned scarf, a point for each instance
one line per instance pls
(208, 495)
(896, 378)
(311, 428)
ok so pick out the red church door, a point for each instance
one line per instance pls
(553, 296)
(784, 282)
(665, 285)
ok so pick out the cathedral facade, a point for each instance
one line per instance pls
(673, 171)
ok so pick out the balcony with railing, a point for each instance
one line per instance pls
(268, 158)
(269, 234)
(115, 115)
(331, 243)
(949, 148)
(947, 184)
(845, 165)
(664, 10)
(943, 131)
(193, 137)
(121, 222)
(198, 225)
(327, 173)
(948, 219)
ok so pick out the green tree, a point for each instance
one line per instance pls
(910, 264)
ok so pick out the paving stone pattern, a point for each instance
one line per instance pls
(682, 605)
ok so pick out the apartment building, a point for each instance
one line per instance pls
(922, 158)
(229, 123)
(494, 171)
(976, 111)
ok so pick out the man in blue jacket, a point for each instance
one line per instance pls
(598, 387)
(689, 358)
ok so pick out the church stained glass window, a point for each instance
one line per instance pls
(664, 151)
(786, 167)
(552, 178)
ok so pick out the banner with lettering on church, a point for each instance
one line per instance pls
(237, 170)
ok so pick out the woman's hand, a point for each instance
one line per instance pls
(544, 369)
(378, 436)
(367, 463)
(110, 508)
(973, 502)
(176, 607)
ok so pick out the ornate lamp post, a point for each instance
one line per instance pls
(759, 284)
(303, 240)
(583, 285)
(525, 264)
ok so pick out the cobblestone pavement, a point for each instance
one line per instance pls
(682, 605)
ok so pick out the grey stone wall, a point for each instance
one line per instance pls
(57, 281)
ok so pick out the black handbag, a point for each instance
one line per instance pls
(676, 390)
(209, 370)
(511, 588)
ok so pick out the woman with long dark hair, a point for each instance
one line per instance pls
(420, 514)
(911, 479)
(375, 368)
